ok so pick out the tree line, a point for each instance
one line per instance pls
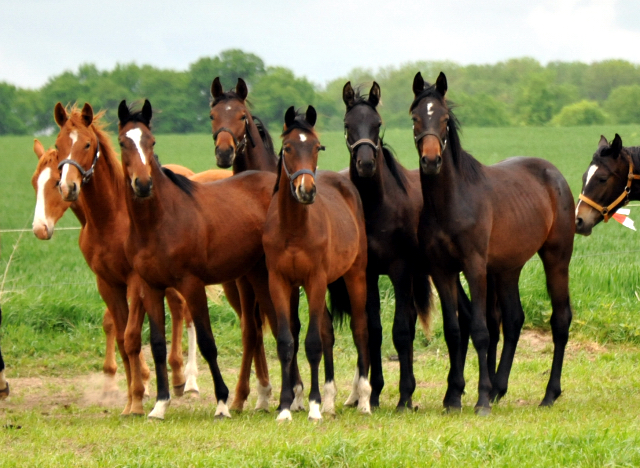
(515, 92)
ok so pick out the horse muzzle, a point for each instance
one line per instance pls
(366, 167)
(306, 195)
(42, 231)
(431, 165)
(142, 189)
(225, 157)
(69, 191)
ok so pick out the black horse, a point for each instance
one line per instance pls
(4, 385)
(487, 221)
(392, 201)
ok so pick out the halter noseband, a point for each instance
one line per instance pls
(86, 175)
(362, 141)
(605, 211)
(293, 176)
(240, 145)
(443, 142)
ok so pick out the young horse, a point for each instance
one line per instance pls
(392, 201)
(243, 143)
(50, 207)
(315, 235)
(489, 220)
(187, 235)
(103, 235)
(608, 183)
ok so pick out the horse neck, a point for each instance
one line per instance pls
(634, 153)
(255, 158)
(147, 215)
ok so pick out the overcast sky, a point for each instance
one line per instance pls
(319, 39)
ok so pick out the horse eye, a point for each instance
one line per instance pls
(154, 143)
(211, 117)
(244, 117)
(87, 146)
(121, 145)
(603, 180)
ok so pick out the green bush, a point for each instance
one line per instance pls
(580, 113)
(623, 104)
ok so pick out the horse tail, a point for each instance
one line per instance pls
(423, 301)
(339, 303)
(464, 303)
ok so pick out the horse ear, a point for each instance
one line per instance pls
(241, 89)
(147, 112)
(418, 84)
(87, 114)
(348, 95)
(603, 142)
(38, 148)
(441, 84)
(616, 146)
(311, 116)
(60, 115)
(374, 94)
(289, 117)
(123, 112)
(216, 88)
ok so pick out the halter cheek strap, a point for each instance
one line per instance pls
(605, 211)
(443, 142)
(86, 175)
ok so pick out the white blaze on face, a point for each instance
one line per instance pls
(65, 169)
(303, 137)
(592, 170)
(40, 215)
(429, 109)
(135, 135)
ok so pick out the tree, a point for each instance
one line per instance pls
(480, 110)
(540, 99)
(11, 120)
(623, 104)
(580, 113)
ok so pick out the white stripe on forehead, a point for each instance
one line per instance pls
(303, 137)
(429, 108)
(40, 214)
(74, 138)
(135, 134)
(592, 170)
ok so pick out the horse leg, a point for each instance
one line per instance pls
(356, 284)
(476, 274)
(328, 340)
(448, 292)
(232, 294)
(153, 302)
(296, 379)
(374, 325)
(556, 267)
(110, 366)
(493, 325)
(194, 293)
(512, 321)
(404, 332)
(4, 385)
(248, 327)
(115, 297)
(191, 369)
(178, 308)
(316, 291)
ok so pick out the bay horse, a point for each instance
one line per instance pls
(315, 237)
(97, 195)
(487, 221)
(607, 185)
(186, 235)
(50, 207)
(243, 143)
(392, 201)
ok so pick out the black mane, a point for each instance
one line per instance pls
(183, 183)
(394, 166)
(264, 135)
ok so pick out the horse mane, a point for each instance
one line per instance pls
(107, 152)
(278, 173)
(264, 135)
(183, 183)
(467, 166)
(394, 166)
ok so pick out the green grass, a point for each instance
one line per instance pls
(51, 328)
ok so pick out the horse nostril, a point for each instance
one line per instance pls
(579, 222)
(439, 160)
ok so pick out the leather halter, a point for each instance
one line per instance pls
(605, 211)
(86, 175)
(362, 141)
(240, 145)
(295, 175)
(443, 142)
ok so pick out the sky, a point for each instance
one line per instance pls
(319, 39)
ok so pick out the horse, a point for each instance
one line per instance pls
(186, 235)
(607, 185)
(242, 142)
(50, 207)
(315, 237)
(105, 224)
(392, 200)
(487, 221)
(4, 385)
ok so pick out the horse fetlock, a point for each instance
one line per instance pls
(159, 409)
(191, 386)
(364, 394)
(264, 394)
(285, 415)
(314, 411)
(298, 399)
(222, 410)
(329, 400)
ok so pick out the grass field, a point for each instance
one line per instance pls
(51, 334)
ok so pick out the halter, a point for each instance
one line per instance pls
(360, 142)
(86, 175)
(240, 145)
(624, 196)
(443, 143)
(293, 176)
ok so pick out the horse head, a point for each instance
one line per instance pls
(136, 146)
(430, 116)
(230, 121)
(362, 128)
(299, 157)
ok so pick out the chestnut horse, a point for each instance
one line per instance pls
(186, 235)
(488, 221)
(608, 183)
(392, 201)
(243, 143)
(314, 236)
(103, 234)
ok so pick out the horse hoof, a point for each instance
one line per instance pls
(178, 390)
(222, 411)
(285, 415)
(4, 393)
(482, 410)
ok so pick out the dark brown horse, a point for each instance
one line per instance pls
(608, 183)
(488, 221)
(243, 143)
(187, 235)
(4, 385)
(315, 237)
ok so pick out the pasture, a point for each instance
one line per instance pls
(53, 345)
